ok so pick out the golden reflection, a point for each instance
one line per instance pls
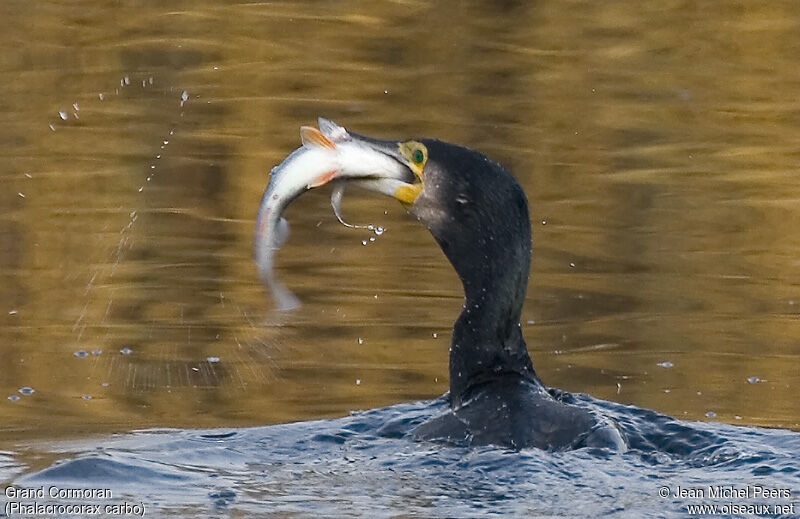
(657, 145)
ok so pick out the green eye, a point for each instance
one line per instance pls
(418, 156)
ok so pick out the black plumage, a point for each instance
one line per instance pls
(478, 214)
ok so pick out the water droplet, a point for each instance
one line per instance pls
(105, 384)
(572, 265)
(26, 390)
(358, 381)
(753, 380)
(665, 364)
(13, 398)
(127, 80)
(12, 312)
(87, 397)
(212, 359)
(97, 352)
(360, 340)
(370, 227)
(152, 166)
(371, 238)
(63, 115)
(544, 222)
(141, 189)
(185, 96)
(363, 242)
(28, 175)
(53, 128)
(101, 96)
(150, 80)
(558, 352)
(158, 156)
(126, 351)
(711, 414)
(21, 195)
(435, 335)
(81, 354)
(379, 230)
(666, 391)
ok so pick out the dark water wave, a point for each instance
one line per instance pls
(366, 465)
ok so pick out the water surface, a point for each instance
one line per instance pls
(658, 146)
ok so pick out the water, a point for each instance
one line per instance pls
(365, 466)
(658, 148)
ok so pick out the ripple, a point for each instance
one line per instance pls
(323, 467)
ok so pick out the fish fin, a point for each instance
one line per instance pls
(336, 203)
(285, 300)
(323, 179)
(282, 232)
(312, 137)
(331, 130)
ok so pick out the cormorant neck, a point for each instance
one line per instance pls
(487, 337)
(478, 213)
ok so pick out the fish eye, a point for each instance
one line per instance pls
(418, 156)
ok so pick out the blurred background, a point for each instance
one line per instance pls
(658, 144)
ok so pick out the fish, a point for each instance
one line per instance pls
(328, 153)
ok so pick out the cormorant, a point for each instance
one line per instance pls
(478, 214)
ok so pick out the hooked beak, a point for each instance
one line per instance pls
(401, 182)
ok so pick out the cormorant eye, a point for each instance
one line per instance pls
(418, 156)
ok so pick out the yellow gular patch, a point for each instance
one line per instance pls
(408, 193)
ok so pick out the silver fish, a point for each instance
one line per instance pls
(327, 154)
